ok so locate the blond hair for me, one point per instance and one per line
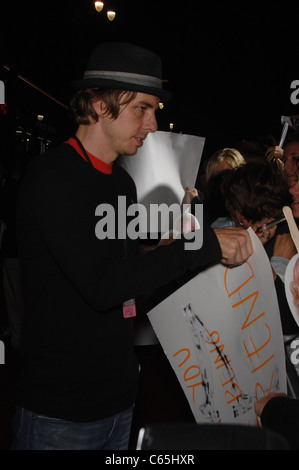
(231, 156)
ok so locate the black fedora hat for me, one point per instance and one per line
(123, 66)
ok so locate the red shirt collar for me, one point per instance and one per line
(98, 164)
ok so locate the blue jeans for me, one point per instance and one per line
(33, 431)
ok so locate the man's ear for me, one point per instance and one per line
(239, 218)
(100, 107)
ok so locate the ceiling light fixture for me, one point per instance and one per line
(111, 15)
(99, 6)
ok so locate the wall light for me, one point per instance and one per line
(99, 6)
(111, 15)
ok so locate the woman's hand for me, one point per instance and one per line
(192, 193)
(267, 233)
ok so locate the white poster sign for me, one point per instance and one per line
(163, 167)
(222, 334)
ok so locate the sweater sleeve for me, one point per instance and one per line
(64, 227)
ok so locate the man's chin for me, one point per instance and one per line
(130, 153)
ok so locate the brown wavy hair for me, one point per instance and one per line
(256, 190)
(81, 104)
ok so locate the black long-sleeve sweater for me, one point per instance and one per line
(77, 347)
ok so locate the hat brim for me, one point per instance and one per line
(164, 95)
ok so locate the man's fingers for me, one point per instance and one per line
(236, 245)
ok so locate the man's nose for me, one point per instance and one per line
(152, 124)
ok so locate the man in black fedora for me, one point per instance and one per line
(79, 380)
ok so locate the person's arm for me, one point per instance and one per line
(65, 221)
(280, 414)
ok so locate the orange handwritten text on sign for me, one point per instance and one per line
(259, 354)
(223, 365)
(191, 373)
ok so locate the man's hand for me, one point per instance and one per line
(235, 244)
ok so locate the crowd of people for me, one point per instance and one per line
(251, 194)
(79, 376)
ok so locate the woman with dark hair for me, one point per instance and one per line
(254, 195)
(279, 412)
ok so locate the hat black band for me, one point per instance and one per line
(133, 78)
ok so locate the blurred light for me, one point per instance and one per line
(161, 105)
(171, 126)
(99, 6)
(111, 15)
(3, 109)
(40, 117)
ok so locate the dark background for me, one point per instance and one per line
(229, 67)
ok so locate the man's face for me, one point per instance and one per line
(125, 134)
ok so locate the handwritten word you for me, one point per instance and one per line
(191, 372)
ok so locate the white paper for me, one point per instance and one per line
(163, 167)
